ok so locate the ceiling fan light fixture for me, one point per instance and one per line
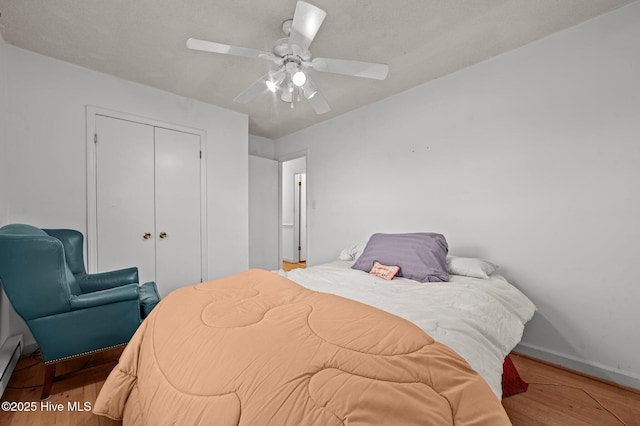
(286, 96)
(287, 90)
(271, 86)
(299, 78)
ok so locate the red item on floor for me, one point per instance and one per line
(512, 383)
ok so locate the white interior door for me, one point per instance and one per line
(125, 196)
(177, 214)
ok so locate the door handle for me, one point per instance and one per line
(146, 235)
(163, 235)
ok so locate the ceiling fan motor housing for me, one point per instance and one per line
(283, 49)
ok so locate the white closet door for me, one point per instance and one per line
(125, 196)
(177, 178)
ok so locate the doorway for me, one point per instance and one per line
(294, 213)
(300, 216)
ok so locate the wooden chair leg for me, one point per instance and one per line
(49, 374)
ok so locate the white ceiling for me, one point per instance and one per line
(420, 40)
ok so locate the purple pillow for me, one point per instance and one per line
(421, 256)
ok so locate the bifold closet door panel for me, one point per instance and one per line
(178, 233)
(125, 196)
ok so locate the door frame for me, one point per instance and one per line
(92, 214)
(298, 217)
(281, 226)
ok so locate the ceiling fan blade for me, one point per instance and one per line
(258, 87)
(348, 67)
(319, 104)
(315, 98)
(306, 22)
(210, 46)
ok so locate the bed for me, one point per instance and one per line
(329, 345)
(482, 319)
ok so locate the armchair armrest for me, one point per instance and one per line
(105, 297)
(105, 280)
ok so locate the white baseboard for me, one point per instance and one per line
(9, 354)
(622, 377)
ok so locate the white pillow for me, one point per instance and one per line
(470, 267)
(352, 253)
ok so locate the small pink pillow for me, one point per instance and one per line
(383, 271)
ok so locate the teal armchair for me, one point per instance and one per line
(69, 312)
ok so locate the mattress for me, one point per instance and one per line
(480, 319)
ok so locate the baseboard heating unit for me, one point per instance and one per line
(9, 355)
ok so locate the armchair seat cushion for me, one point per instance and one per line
(149, 298)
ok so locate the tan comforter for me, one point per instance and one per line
(257, 349)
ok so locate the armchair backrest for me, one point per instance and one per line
(73, 243)
(34, 272)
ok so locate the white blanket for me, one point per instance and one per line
(481, 319)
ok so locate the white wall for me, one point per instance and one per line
(530, 159)
(5, 306)
(44, 159)
(262, 147)
(4, 102)
(263, 213)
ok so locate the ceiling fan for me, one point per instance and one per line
(294, 58)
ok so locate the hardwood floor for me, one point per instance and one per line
(557, 396)
(77, 382)
(560, 401)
